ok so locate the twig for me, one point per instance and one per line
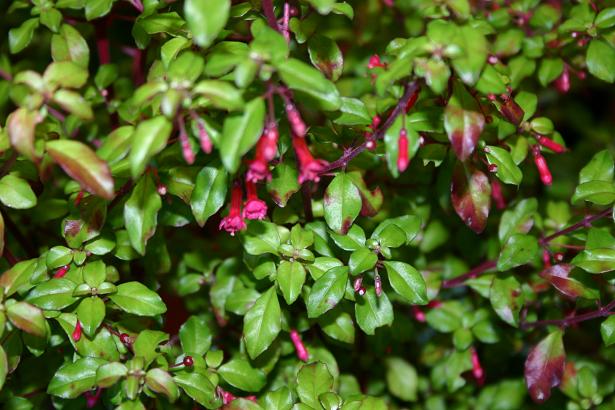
(269, 13)
(471, 274)
(410, 90)
(602, 312)
(584, 223)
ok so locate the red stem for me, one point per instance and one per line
(601, 312)
(584, 223)
(410, 90)
(269, 13)
(471, 274)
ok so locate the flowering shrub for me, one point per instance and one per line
(307, 204)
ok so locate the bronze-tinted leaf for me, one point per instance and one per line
(471, 196)
(463, 121)
(83, 165)
(20, 126)
(558, 275)
(544, 366)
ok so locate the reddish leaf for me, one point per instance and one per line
(558, 276)
(83, 165)
(544, 366)
(463, 121)
(20, 126)
(471, 196)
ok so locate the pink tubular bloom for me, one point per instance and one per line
(234, 222)
(270, 142)
(77, 332)
(550, 144)
(541, 165)
(310, 167)
(258, 168)
(402, 150)
(204, 140)
(562, 83)
(302, 352)
(254, 208)
(419, 315)
(185, 142)
(374, 61)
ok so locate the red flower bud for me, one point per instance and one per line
(302, 352)
(61, 271)
(374, 61)
(402, 150)
(188, 361)
(419, 315)
(493, 168)
(378, 284)
(511, 111)
(550, 144)
(541, 165)
(77, 332)
(477, 369)
(546, 258)
(185, 142)
(125, 339)
(562, 83)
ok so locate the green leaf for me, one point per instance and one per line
(136, 298)
(240, 133)
(401, 378)
(199, 388)
(141, 213)
(342, 203)
(4, 366)
(240, 374)
(221, 94)
(327, 291)
(195, 336)
(262, 323)
(353, 112)
(518, 220)
(281, 399)
(73, 103)
(261, 237)
(54, 294)
(21, 36)
(338, 325)
(361, 260)
(601, 60)
(299, 76)
(209, 193)
(599, 168)
(162, 382)
(313, 380)
(549, 70)
(290, 278)
(372, 312)
(407, 282)
(74, 379)
(65, 74)
(606, 18)
(326, 56)
(283, 184)
(607, 330)
(323, 7)
(91, 312)
(28, 318)
(518, 250)
(97, 8)
(597, 192)
(69, 45)
(16, 193)
(206, 18)
(597, 260)
(149, 139)
(507, 171)
(507, 299)
(146, 345)
(83, 165)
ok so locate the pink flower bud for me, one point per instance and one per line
(77, 332)
(295, 120)
(493, 168)
(185, 142)
(546, 258)
(310, 168)
(358, 283)
(374, 61)
(550, 144)
(378, 285)
(562, 83)
(477, 369)
(61, 271)
(497, 195)
(302, 352)
(402, 150)
(541, 165)
(419, 315)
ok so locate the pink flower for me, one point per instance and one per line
(311, 168)
(254, 208)
(204, 139)
(402, 150)
(77, 332)
(541, 165)
(294, 119)
(234, 222)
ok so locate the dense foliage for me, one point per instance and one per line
(307, 204)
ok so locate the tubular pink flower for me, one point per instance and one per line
(234, 222)
(310, 167)
(254, 208)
